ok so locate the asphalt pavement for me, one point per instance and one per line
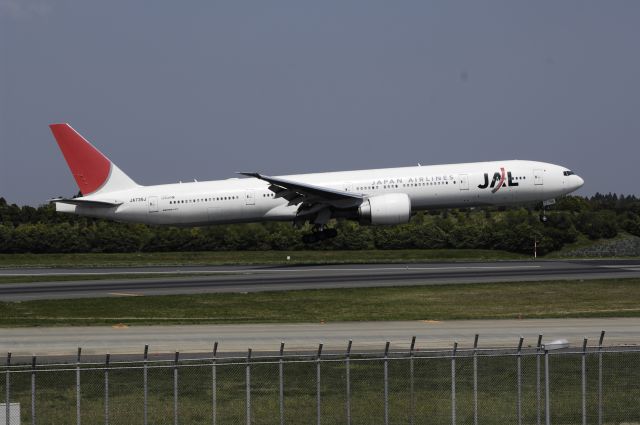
(366, 336)
(193, 280)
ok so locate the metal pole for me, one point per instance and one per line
(600, 416)
(106, 390)
(547, 400)
(248, 388)
(175, 388)
(584, 382)
(33, 390)
(281, 375)
(7, 392)
(538, 392)
(78, 419)
(347, 364)
(475, 379)
(412, 400)
(453, 383)
(386, 384)
(145, 383)
(519, 362)
(318, 400)
(214, 385)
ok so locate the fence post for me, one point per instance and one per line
(214, 385)
(175, 388)
(453, 383)
(33, 390)
(78, 419)
(584, 381)
(519, 363)
(281, 376)
(7, 391)
(106, 389)
(538, 392)
(600, 416)
(412, 400)
(475, 379)
(386, 384)
(318, 399)
(248, 388)
(347, 365)
(144, 383)
(547, 395)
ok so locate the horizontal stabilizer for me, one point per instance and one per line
(86, 202)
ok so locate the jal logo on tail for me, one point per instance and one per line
(499, 180)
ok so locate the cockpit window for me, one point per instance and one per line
(568, 173)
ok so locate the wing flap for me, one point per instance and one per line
(294, 191)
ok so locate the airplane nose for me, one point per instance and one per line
(579, 182)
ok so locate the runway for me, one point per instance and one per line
(190, 280)
(367, 336)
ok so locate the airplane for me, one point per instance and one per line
(387, 196)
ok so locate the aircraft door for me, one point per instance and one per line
(153, 204)
(250, 197)
(464, 181)
(537, 177)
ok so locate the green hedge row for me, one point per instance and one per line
(42, 230)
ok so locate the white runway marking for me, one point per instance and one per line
(631, 267)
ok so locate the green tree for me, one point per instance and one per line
(597, 224)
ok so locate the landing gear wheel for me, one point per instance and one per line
(319, 236)
(331, 233)
(543, 218)
(309, 239)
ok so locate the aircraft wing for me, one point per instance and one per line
(298, 192)
(86, 202)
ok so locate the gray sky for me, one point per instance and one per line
(180, 90)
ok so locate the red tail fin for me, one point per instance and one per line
(93, 171)
(88, 165)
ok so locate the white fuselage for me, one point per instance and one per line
(239, 200)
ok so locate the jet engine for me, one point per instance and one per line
(392, 208)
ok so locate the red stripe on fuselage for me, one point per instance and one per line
(89, 167)
(501, 182)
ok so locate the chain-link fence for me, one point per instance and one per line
(523, 385)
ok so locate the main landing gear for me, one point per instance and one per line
(319, 234)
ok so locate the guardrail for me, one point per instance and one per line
(537, 384)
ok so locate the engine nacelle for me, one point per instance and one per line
(392, 208)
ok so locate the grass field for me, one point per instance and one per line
(251, 257)
(56, 392)
(592, 298)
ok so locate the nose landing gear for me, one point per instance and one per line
(543, 213)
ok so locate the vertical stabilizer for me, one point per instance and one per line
(94, 173)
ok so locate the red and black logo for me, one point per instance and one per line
(499, 180)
